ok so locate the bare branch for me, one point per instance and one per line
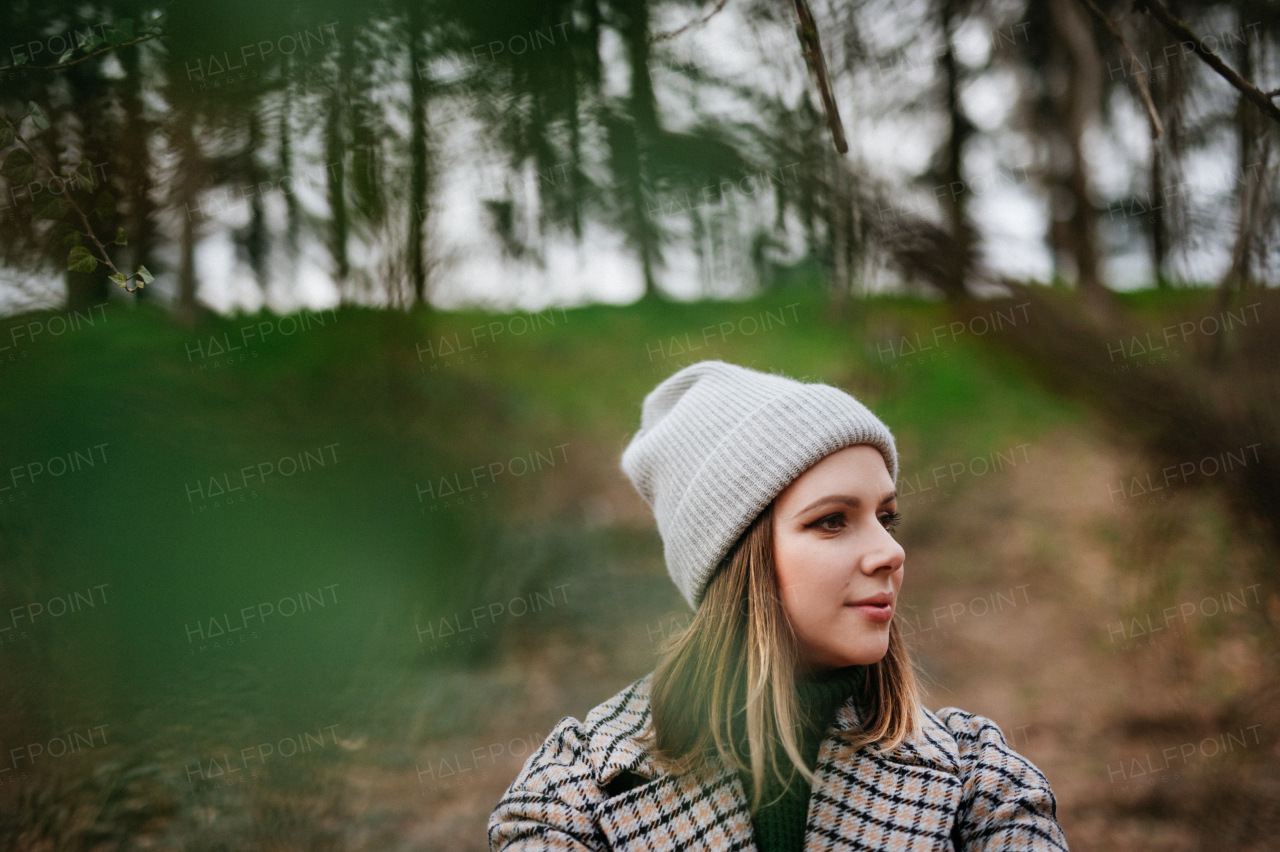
(87, 55)
(1182, 31)
(811, 45)
(40, 161)
(695, 23)
(1153, 117)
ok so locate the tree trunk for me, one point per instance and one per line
(956, 199)
(335, 162)
(1248, 131)
(841, 228)
(418, 174)
(575, 156)
(960, 128)
(186, 309)
(1078, 104)
(644, 121)
(86, 289)
(1160, 211)
(140, 209)
(1254, 163)
(187, 203)
(286, 160)
(257, 240)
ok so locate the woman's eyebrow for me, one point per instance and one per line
(848, 499)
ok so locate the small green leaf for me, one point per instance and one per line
(18, 166)
(120, 33)
(62, 60)
(37, 115)
(64, 236)
(145, 275)
(91, 42)
(50, 207)
(118, 279)
(6, 136)
(84, 172)
(105, 206)
(121, 238)
(79, 260)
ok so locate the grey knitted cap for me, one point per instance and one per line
(718, 442)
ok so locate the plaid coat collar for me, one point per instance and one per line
(613, 725)
(903, 800)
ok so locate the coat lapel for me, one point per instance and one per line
(906, 799)
(902, 800)
(706, 810)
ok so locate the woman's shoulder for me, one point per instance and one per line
(970, 731)
(965, 728)
(1006, 801)
(598, 747)
(983, 751)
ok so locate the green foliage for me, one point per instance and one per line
(80, 260)
(105, 206)
(38, 118)
(143, 277)
(19, 167)
(64, 236)
(50, 207)
(84, 171)
(120, 33)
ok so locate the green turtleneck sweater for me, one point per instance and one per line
(779, 826)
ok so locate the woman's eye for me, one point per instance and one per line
(830, 523)
(891, 520)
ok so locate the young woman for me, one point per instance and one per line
(786, 717)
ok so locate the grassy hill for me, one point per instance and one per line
(259, 457)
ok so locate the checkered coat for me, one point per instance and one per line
(957, 786)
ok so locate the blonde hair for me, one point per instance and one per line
(741, 653)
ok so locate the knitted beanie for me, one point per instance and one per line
(718, 442)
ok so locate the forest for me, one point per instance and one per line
(323, 323)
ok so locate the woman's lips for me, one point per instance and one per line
(877, 612)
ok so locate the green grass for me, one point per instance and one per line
(359, 382)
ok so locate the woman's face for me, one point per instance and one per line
(839, 568)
